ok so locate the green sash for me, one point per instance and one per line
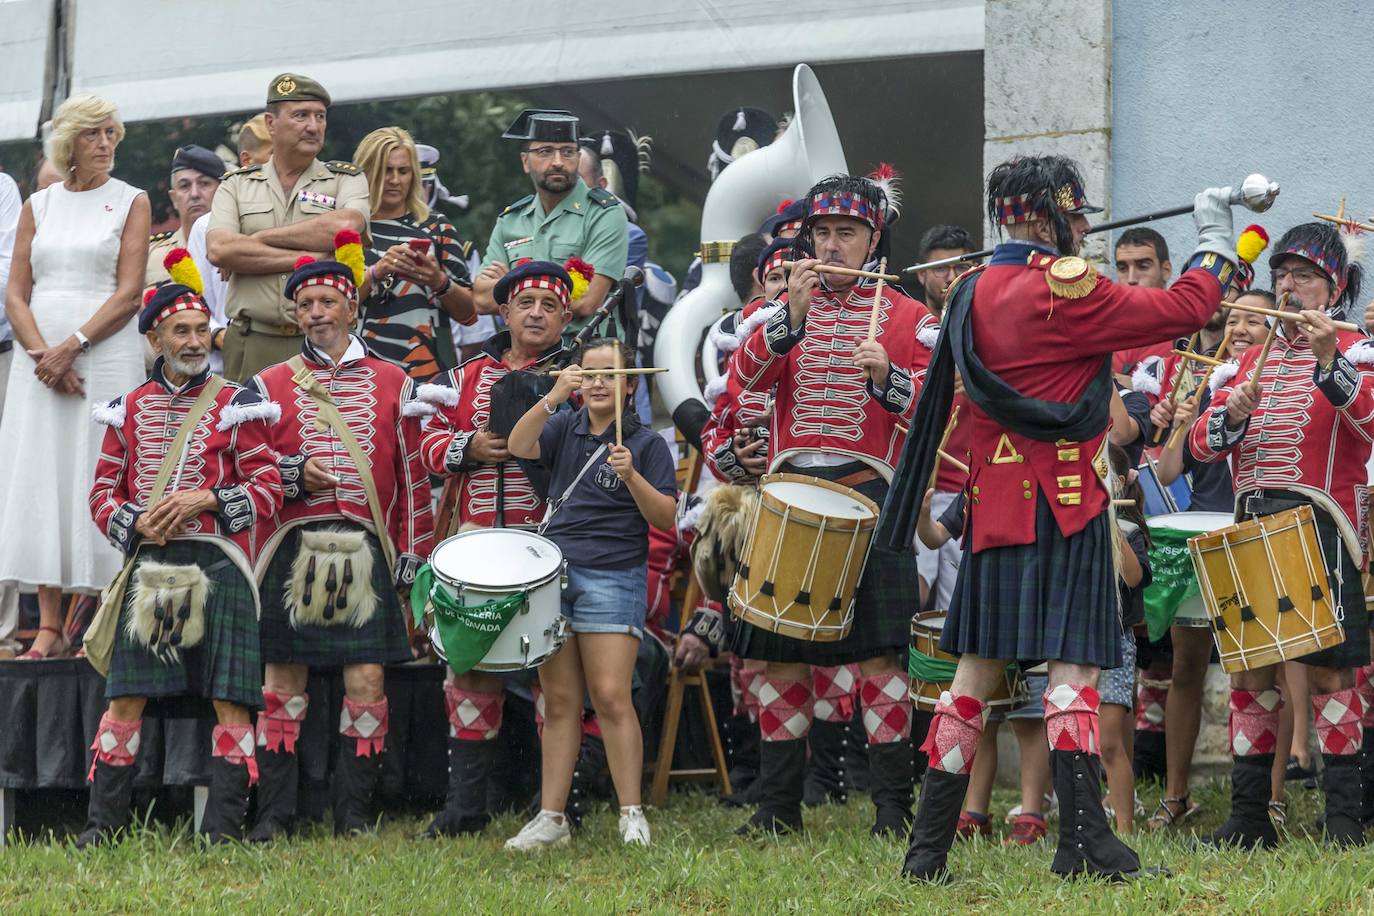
(467, 631)
(1172, 578)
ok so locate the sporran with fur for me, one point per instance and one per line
(331, 579)
(722, 531)
(167, 612)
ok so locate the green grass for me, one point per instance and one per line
(695, 865)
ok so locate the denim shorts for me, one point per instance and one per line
(607, 600)
(1114, 685)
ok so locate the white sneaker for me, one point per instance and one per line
(634, 829)
(548, 828)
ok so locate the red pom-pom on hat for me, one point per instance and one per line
(347, 237)
(148, 294)
(783, 206)
(302, 261)
(174, 257)
(575, 264)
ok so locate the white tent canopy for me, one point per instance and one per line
(158, 60)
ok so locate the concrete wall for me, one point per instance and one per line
(1206, 92)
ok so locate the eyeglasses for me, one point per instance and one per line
(546, 153)
(1301, 275)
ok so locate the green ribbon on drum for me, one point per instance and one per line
(929, 669)
(467, 631)
(1172, 578)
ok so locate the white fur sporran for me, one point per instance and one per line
(168, 608)
(331, 580)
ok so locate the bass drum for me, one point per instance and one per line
(494, 564)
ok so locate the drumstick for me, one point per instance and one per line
(1123, 502)
(1287, 316)
(619, 392)
(647, 370)
(1198, 358)
(1175, 392)
(1177, 435)
(1268, 345)
(940, 453)
(851, 272)
(877, 306)
(950, 459)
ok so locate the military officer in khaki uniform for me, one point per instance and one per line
(563, 218)
(267, 216)
(195, 177)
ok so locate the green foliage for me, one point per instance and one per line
(694, 865)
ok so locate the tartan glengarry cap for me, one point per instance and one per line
(534, 275)
(310, 272)
(165, 300)
(1019, 208)
(292, 87)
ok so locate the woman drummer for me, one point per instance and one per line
(610, 479)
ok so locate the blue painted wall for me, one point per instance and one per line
(1206, 92)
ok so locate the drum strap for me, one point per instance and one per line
(556, 504)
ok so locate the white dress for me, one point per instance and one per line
(48, 441)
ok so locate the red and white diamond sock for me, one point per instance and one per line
(1149, 707)
(1337, 721)
(886, 701)
(473, 716)
(1071, 718)
(834, 692)
(279, 723)
(116, 743)
(955, 727)
(235, 743)
(1364, 683)
(1254, 721)
(367, 723)
(538, 694)
(785, 709)
(752, 678)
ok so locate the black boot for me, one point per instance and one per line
(1087, 845)
(355, 781)
(227, 807)
(465, 809)
(826, 779)
(890, 783)
(932, 832)
(1341, 782)
(1367, 778)
(1248, 826)
(742, 750)
(108, 811)
(782, 770)
(856, 768)
(278, 783)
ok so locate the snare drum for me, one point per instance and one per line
(493, 568)
(932, 669)
(1266, 589)
(806, 550)
(1173, 598)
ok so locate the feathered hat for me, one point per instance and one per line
(1250, 244)
(889, 181)
(1038, 187)
(530, 274)
(182, 292)
(740, 131)
(624, 156)
(344, 272)
(1336, 252)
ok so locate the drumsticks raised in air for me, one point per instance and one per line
(851, 272)
(1268, 345)
(1222, 349)
(1175, 390)
(940, 453)
(877, 305)
(632, 370)
(1287, 316)
(619, 392)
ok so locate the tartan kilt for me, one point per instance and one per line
(379, 641)
(226, 665)
(1053, 600)
(887, 596)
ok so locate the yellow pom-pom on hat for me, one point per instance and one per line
(183, 270)
(1252, 242)
(348, 251)
(581, 273)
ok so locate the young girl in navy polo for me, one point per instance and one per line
(603, 498)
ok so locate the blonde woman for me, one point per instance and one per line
(79, 257)
(417, 275)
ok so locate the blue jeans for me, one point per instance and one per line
(607, 600)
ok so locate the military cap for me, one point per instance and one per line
(292, 87)
(199, 159)
(556, 126)
(536, 275)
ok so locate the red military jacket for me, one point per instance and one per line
(733, 407)
(1050, 346)
(823, 402)
(378, 402)
(463, 398)
(228, 452)
(1310, 432)
(948, 478)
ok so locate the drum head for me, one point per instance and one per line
(496, 558)
(818, 500)
(1198, 522)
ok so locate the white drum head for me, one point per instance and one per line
(817, 499)
(496, 558)
(1196, 522)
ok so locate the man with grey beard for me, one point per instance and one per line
(185, 473)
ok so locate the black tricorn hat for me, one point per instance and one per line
(556, 126)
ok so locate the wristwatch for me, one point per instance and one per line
(82, 341)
